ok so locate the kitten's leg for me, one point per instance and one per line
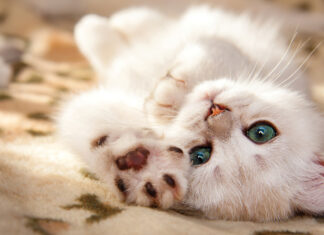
(166, 98)
(100, 39)
(109, 132)
(170, 91)
(137, 22)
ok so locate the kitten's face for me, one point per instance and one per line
(249, 174)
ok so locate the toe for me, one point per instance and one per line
(169, 180)
(150, 190)
(120, 185)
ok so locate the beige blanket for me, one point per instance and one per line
(43, 188)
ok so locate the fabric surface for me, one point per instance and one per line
(43, 188)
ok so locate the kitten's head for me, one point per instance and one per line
(254, 150)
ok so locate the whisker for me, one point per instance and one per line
(299, 67)
(261, 69)
(298, 49)
(255, 76)
(282, 58)
(293, 80)
(250, 75)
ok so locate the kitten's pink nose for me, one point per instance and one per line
(215, 110)
(220, 121)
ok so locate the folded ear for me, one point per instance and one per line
(311, 197)
(98, 40)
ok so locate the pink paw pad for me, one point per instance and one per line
(135, 159)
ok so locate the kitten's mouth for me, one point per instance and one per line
(215, 110)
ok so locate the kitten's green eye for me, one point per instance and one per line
(200, 155)
(261, 132)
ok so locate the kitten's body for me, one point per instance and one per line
(160, 77)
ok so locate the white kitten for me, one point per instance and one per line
(202, 111)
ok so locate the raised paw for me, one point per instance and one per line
(116, 144)
(166, 98)
(151, 176)
(135, 159)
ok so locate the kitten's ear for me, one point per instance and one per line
(311, 199)
(98, 40)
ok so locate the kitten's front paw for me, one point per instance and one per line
(166, 98)
(149, 176)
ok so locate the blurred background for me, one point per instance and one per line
(40, 63)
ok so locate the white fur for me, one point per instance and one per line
(164, 78)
